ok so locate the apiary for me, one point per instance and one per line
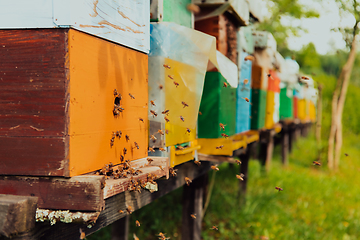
(71, 102)
(171, 11)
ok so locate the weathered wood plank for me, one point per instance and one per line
(17, 214)
(266, 148)
(82, 193)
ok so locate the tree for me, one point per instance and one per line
(339, 96)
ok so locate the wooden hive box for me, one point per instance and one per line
(57, 102)
(259, 77)
(286, 104)
(273, 100)
(125, 22)
(243, 108)
(171, 11)
(218, 105)
(258, 108)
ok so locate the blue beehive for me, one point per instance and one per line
(243, 108)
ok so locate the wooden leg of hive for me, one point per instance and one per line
(120, 229)
(266, 148)
(291, 138)
(193, 206)
(285, 146)
(244, 169)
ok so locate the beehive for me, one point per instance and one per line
(60, 111)
(272, 100)
(218, 105)
(258, 108)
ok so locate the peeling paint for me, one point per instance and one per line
(104, 22)
(126, 17)
(95, 11)
(90, 26)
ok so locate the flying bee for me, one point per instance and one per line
(193, 216)
(225, 84)
(153, 138)
(246, 99)
(305, 78)
(246, 81)
(166, 66)
(162, 149)
(150, 160)
(222, 126)
(346, 155)
(185, 104)
(118, 134)
(137, 223)
(124, 151)
(249, 58)
(188, 130)
(153, 113)
(152, 103)
(166, 119)
(279, 189)
(238, 162)
(82, 234)
(166, 112)
(161, 86)
(220, 147)
(213, 167)
(214, 228)
(171, 77)
(116, 92)
(240, 177)
(121, 211)
(224, 135)
(127, 137)
(179, 147)
(197, 162)
(151, 149)
(187, 181)
(161, 132)
(136, 145)
(182, 118)
(317, 163)
(129, 210)
(172, 171)
(141, 119)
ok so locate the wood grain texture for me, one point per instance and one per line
(82, 193)
(17, 214)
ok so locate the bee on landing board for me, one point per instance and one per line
(166, 66)
(222, 126)
(162, 149)
(161, 86)
(82, 234)
(141, 119)
(127, 137)
(224, 135)
(125, 151)
(171, 77)
(185, 104)
(161, 132)
(187, 181)
(166, 119)
(246, 81)
(153, 113)
(305, 78)
(131, 96)
(136, 145)
(279, 189)
(150, 160)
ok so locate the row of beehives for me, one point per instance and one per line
(72, 102)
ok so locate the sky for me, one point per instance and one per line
(319, 29)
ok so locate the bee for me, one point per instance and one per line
(127, 137)
(82, 234)
(225, 84)
(213, 167)
(121, 211)
(172, 171)
(160, 131)
(161, 86)
(179, 147)
(150, 160)
(246, 81)
(193, 8)
(166, 131)
(176, 84)
(214, 228)
(166, 112)
(316, 163)
(305, 78)
(269, 75)
(151, 149)
(125, 151)
(249, 58)
(153, 138)
(220, 147)
(279, 189)
(112, 141)
(162, 149)
(152, 103)
(224, 135)
(240, 177)
(141, 120)
(116, 92)
(188, 130)
(137, 223)
(121, 158)
(136, 145)
(166, 66)
(193, 216)
(153, 113)
(131, 96)
(182, 118)
(162, 169)
(197, 162)
(118, 134)
(346, 155)
(162, 236)
(129, 210)
(187, 181)
(166, 119)
(222, 126)
(185, 104)
(238, 162)
(246, 99)
(171, 77)
(200, 113)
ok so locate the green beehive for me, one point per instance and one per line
(286, 105)
(218, 105)
(258, 108)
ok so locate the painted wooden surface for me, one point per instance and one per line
(258, 108)
(97, 68)
(286, 105)
(259, 77)
(58, 100)
(125, 22)
(272, 109)
(82, 193)
(218, 105)
(171, 11)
